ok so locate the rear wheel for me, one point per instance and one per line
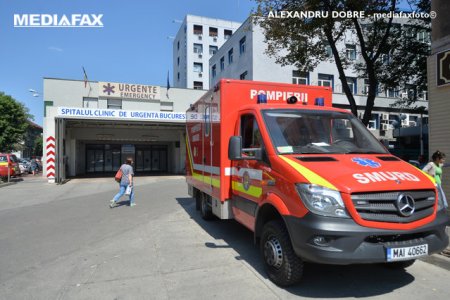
(282, 265)
(198, 200)
(205, 207)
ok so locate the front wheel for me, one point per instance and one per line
(282, 265)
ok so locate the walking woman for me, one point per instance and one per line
(126, 182)
(434, 168)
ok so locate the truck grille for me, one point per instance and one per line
(384, 206)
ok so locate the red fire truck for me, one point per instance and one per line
(311, 182)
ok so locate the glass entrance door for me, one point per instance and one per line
(151, 159)
(102, 158)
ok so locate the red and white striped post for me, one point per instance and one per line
(50, 148)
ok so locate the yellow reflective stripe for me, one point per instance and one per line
(429, 176)
(252, 190)
(308, 174)
(198, 176)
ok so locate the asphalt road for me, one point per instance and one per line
(64, 242)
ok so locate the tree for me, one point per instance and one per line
(38, 146)
(391, 56)
(13, 123)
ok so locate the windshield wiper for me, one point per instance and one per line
(363, 152)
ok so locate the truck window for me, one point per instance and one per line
(207, 120)
(249, 130)
(306, 132)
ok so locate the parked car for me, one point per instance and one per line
(11, 160)
(25, 166)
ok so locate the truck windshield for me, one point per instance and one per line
(313, 132)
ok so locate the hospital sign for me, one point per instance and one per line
(128, 91)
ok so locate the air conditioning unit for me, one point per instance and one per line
(385, 127)
(200, 74)
(215, 39)
(385, 117)
(200, 55)
(200, 37)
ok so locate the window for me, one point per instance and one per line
(178, 76)
(392, 93)
(178, 61)
(243, 76)
(230, 56)
(213, 31)
(242, 46)
(422, 96)
(314, 132)
(366, 87)
(423, 36)
(328, 52)
(212, 50)
(372, 124)
(250, 133)
(198, 85)
(325, 80)
(207, 119)
(90, 102)
(114, 103)
(300, 77)
(227, 34)
(222, 63)
(350, 51)
(178, 45)
(198, 29)
(213, 71)
(198, 48)
(351, 81)
(198, 67)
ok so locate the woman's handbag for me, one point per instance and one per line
(119, 174)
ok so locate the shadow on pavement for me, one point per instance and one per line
(325, 281)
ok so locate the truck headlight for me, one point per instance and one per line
(441, 199)
(322, 201)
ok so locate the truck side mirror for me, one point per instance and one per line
(235, 148)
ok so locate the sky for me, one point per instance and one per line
(134, 46)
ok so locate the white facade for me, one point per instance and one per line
(196, 41)
(92, 129)
(250, 62)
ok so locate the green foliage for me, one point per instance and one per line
(38, 146)
(388, 52)
(13, 123)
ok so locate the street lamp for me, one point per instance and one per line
(34, 92)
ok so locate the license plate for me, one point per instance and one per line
(405, 253)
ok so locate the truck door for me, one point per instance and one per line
(247, 175)
(207, 146)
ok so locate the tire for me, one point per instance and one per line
(198, 200)
(400, 264)
(282, 265)
(205, 207)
